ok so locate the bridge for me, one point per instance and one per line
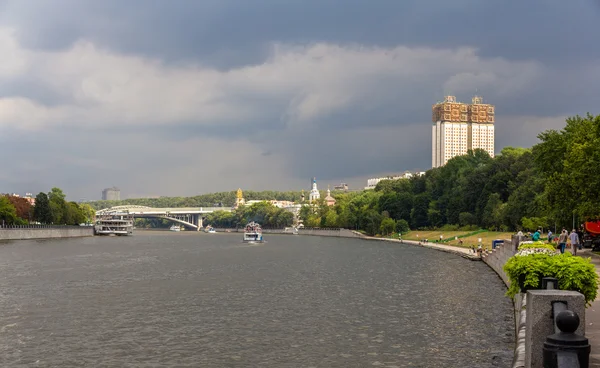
(190, 217)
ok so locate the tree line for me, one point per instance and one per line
(551, 185)
(50, 208)
(224, 199)
(266, 214)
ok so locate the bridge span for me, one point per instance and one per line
(190, 217)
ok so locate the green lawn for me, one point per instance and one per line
(486, 237)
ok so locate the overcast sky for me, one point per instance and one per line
(189, 97)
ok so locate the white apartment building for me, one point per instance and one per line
(482, 136)
(448, 140)
(372, 183)
(459, 127)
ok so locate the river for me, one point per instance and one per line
(164, 299)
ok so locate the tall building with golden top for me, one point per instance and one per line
(459, 127)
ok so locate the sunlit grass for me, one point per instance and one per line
(432, 236)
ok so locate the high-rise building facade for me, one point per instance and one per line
(459, 127)
(111, 194)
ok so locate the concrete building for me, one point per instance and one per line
(459, 127)
(111, 194)
(341, 186)
(372, 183)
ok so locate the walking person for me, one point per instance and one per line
(562, 240)
(574, 242)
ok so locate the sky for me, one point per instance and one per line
(180, 98)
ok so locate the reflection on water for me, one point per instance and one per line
(198, 300)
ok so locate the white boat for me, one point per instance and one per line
(114, 225)
(295, 231)
(175, 228)
(253, 233)
(209, 229)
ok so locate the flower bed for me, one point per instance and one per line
(533, 261)
(536, 245)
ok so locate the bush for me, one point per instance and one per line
(530, 264)
(537, 245)
(449, 227)
(402, 226)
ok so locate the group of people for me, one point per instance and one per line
(562, 239)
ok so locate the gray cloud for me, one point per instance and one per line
(227, 30)
(180, 100)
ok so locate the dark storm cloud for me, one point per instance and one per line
(225, 33)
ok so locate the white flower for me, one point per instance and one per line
(530, 251)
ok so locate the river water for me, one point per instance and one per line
(163, 299)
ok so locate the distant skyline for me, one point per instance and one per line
(185, 98)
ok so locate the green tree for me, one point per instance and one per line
(466, 219)
(568, 161)
(419, 214)
(42, 211)
(58, 206)
(8, 212)
(88, 212)
(388, 226)
(402, 226)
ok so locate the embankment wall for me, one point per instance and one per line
(22, 233)
(496, 259)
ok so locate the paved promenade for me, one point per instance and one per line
(592, 315)
(464, 252)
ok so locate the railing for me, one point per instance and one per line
(18, 227)
(565, 348)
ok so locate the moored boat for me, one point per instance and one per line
(175, 228)
(114, 225)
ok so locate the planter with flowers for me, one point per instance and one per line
(532, 262)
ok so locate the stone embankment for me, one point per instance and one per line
(496, 259)
(44, 232)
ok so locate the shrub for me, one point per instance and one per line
(537, 245)
(448, 227)
(402, 226)
(529, 265)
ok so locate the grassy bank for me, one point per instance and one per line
(433, 235)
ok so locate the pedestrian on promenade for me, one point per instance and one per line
(574, 242)
(562, 240)
(549, 236)
(536, 235)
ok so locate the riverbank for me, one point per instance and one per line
(45, 232)
(461, 251)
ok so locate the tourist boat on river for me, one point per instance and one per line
(114, 225)
(209, 229)
(253, 233)
(175, 228)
